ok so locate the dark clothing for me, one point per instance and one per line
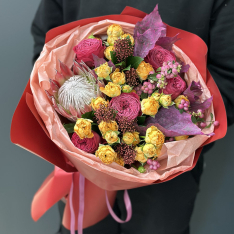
(212, 20)
(164, 208)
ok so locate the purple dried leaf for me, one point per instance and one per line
(167, 42)
(184, 67)
(172, 123)
(147, 32)
(111, 64)
(193, 92)
(194, 106)
(98, 61)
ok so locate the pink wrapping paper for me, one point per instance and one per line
(175, 156)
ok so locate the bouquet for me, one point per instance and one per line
(124, 99)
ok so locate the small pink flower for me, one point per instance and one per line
(89, 145)
(127, 104)
(85, 50)
(158, 55)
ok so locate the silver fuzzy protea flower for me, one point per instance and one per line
(71, 91)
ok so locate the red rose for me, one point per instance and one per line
(89, 145)
(158, 55)
(175, 86)
(85, 50)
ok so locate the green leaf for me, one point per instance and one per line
(200, 120)
(69, 127)
(91, 36)
(211, 116)
(88, 115)
(134, 61)
(96, 129)
(153, 77)
(100, 78)
(208, 125)
(121, 64)
(143, 137)
(127, 68)
(159, 69)
(144, 95)
(181, 111)
(194, 120)
(113, 57)
(108, 78)
(141, 120)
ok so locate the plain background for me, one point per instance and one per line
(21, 173)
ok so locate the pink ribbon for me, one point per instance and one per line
(127, 202)
(128, 206)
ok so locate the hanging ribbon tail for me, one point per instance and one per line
(81, 203)
(128, 206)
(72, 223)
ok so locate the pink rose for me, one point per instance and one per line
(158, 55)
(89, 145)
(175, 86)
(127, 104)
(86, 48)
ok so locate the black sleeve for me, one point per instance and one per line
(49, 15)
(221, 52)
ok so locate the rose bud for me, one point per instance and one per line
(83, 128)
(140, 155)
(149, 106)
(118, 77)
(154, 136)
(106, 154)
(127, 89)
(97, 102)
(111, 90)
(165, 100)
(143, 70)
(103, 70)
(107, 52)
(115, 30)
(179, 138)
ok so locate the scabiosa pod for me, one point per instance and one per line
(71, 92)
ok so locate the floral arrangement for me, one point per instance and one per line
(126, 95)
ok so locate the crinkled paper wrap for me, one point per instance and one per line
(175, 156)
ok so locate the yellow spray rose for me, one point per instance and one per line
(107, 52)
(119, 161)
(111, 90)
(177, 101)
(127, 89)
(111, 40)
(115, 30)
(149, 106)
(140, 155)
(128, 35)
(150, 150)
(165, 100)
(183, 137)
(128, 138)
(111, 137)
(156, 96)
(107, 126)
(154, 136)
(103, 70)
(97, 102)
(143, 70)
(136, 138)
(83, 128)
(118, 77)
(106, 154)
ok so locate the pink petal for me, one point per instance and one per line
(59, 78)
(67, 73)
(73, 111)
(54, 87)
